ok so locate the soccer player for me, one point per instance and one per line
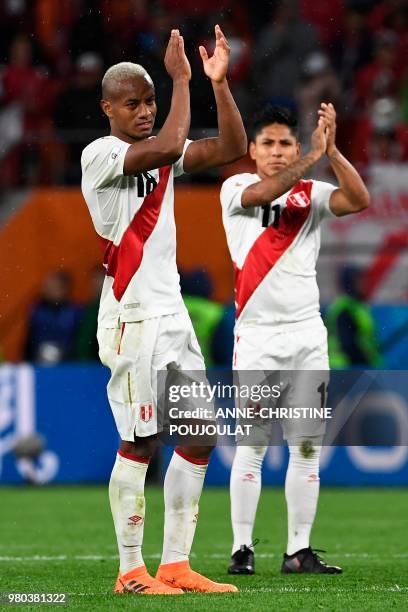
(143, 325)
(272, 222)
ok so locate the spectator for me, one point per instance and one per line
(382, 76)
(281, 43)
(319, 84)
(29, 88)
(87, 348)
(77, 113)
(87, 32)
(223, 337)
(327, 17)
(381, 136)
(351, 327)
(350, 50)
(53, 322)
(122, 21)
(205, 314)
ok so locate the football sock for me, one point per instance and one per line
(182, 489)
(245, 489)
(302, 493)
(126, 496)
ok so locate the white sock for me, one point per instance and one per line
(302, 494)
(245, 489)
(126, 496)
(182, 489)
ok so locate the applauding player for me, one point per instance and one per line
(143, 324)
(272, 221)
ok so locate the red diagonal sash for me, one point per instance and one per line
(123, 260)
(269, 247)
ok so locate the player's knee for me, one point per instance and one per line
(250, 457)
(141, 447)
(305, 454)
(197, 452)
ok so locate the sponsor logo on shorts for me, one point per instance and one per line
(196, 517)
(249, 477)
(146, 412)
(313, 478)
(299, 199)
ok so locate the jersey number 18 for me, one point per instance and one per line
(146, 183)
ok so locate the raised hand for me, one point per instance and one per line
(175, 60)
(328, 114)
(320, 137)
(216, 67)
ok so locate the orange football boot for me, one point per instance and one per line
(181, 575)
(139, 582)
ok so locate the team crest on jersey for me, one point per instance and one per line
(299, 199)
(146, 412)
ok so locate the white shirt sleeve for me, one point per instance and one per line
(321, 193)
(232, 190)
(178, 169)
(102, 161)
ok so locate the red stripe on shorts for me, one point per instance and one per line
(121, 336)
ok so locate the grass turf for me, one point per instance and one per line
(61, 540)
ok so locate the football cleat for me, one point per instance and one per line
(181, 575)
(307, 561)
(242, 561)
(139, 582)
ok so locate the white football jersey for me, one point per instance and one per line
(274, 249)
(134, 218)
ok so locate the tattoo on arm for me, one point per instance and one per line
(287, 178)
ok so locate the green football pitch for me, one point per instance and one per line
(60, 540)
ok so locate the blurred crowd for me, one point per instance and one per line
(291, 52)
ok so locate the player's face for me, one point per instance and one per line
(274, 149)
(132, 109)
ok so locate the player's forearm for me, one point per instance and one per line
(268, 189)
(175, 129)
(232, 140)
(349, 181)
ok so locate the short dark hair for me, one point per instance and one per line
(273, 114)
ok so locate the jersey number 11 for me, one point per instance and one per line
(267, 212)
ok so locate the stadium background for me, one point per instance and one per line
(55, 424)
(292, 53)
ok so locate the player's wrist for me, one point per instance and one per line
(316, 154)
(181, 79)
(333, 152)
(219, 82)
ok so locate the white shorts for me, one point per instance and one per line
(298, 346)
(134, 353)
(300, 349)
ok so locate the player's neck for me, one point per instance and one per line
(263, 175)
(124, 137)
